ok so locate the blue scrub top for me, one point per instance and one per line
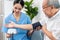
(21, 33)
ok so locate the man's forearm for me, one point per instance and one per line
(49, 34)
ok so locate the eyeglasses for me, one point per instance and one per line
(46, 6)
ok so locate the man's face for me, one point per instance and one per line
(48, 10)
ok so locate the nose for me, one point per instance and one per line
(17, 10)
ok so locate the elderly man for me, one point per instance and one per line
(52, 21)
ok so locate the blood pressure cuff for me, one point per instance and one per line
(37, 24)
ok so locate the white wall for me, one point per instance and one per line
(7, 7)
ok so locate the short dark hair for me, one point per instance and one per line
(19, 1)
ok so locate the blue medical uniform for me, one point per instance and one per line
(21, 33)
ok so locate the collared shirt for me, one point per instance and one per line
(53, 25)
(21, 33)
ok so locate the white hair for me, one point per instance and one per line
(54, 2)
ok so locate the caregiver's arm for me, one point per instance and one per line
(24, 26)
(48, 33)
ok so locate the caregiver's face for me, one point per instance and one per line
(17, 8)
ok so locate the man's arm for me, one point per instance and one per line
(46, 32)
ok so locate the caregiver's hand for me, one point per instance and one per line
(10, 25)
(8, 35)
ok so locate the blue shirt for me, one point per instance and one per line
(21, 33)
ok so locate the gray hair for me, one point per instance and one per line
(54, 2)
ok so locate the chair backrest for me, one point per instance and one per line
(37, 35)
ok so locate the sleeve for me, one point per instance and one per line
(42, 21)
(56, 30)
(5, 29)
(28, 20)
